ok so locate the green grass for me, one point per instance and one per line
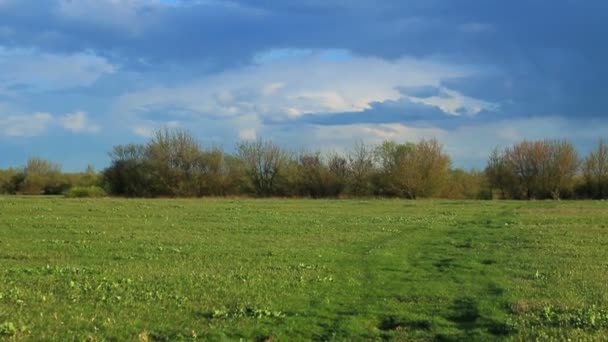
(285, 270)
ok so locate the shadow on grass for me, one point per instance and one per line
(394, 323)
(465, 313)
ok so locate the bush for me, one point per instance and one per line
(85, 191)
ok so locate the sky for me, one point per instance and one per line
(80, 76)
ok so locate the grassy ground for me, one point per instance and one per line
(281, 270)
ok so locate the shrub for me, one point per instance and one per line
(85, 191)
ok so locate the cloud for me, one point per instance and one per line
(283, 91)
(15, 122)
(28, 125)
(402, 110)
(46, 71)
(78, 123)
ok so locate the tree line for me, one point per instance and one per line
(174, 164)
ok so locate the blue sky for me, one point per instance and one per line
(79, 76)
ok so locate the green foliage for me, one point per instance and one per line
(591, 318)
(85, 191)
(412, 170)
(461, 184)
(7, 181)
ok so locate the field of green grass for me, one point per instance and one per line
(287, 270)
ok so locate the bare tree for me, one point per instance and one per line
(525, 160)
(41, 176)
(539, 169)
(361, 169)
(337, 174)
(174, 155)
(595, 170)
(563, 164)
(499, 173)
(263, 162)
(312, 175)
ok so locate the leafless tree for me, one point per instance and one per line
(361, 168)
(595, 170)
(263, 162)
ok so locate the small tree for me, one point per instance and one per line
(130, 173)
(526, 160)
(337, 176)
(563, 164)
(7, 181)
(396, 168)
(312, 174)
(499, 173)
(263, 162)
(595, 171)
(413, 170)
(361, 169)
(211, 173)
(174, 155)
(41, 177)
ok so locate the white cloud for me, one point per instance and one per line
(28, 125)
(248, 134)
(146, 129)
(455, 103)
(284, 89)
(51, 71)
(272, 88)
(78, 123)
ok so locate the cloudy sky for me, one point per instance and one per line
(79, 76)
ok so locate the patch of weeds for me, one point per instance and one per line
(521, 307)
(591, 318)
(540, 276)
(8, 329)
(166, 336)
(247, 312)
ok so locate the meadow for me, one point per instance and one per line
(288, 270)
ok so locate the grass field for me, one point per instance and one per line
(286, 270)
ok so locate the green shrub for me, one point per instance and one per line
(85, 191)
